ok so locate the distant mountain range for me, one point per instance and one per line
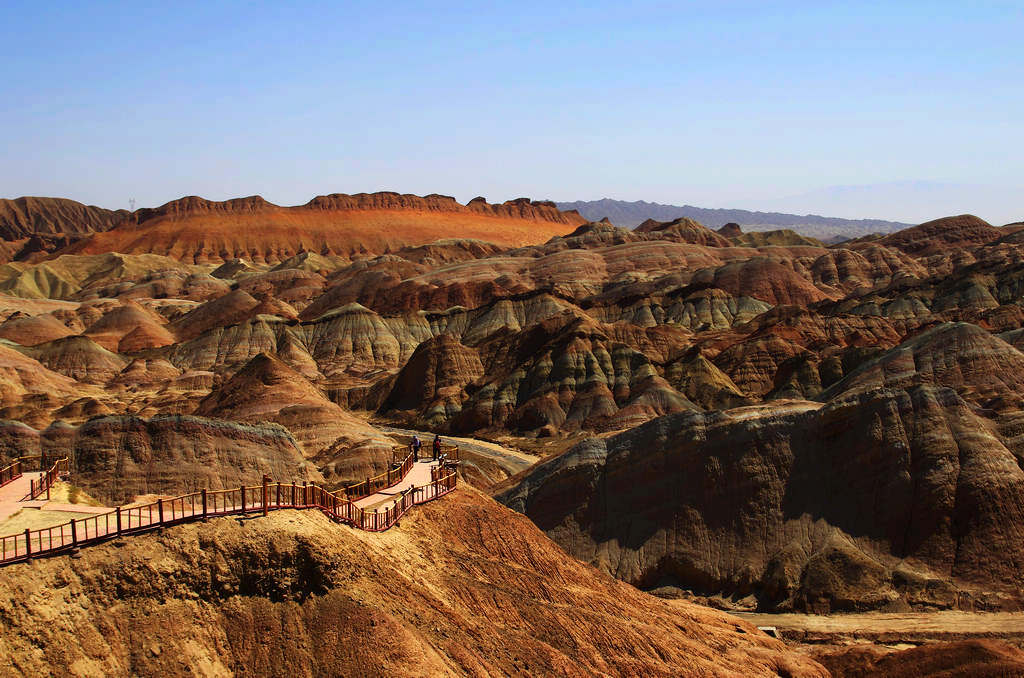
(631, 214)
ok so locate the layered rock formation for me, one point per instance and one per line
(267, 390)
(25, 217)
(30, 228)
(118, 458)
(888, 496)
(939, 235)
(979, 658)
(518, 320)
(201, 231)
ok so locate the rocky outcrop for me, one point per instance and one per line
(730, 230)
(79, 358)
(981, 367)
(29, 391)
(116, 459)
(565, 373)
(780, 238)
(29, 330)
(685, 230)
(230, 309)
(128, 328)
(432, 385)
(943, 234)
(934, 660)
(887, 496)
(267, 390)
(762, 278)
(28, 216)
(703, 383)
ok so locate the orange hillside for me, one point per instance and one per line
(202, 231)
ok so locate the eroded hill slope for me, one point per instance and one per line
(462, 587)
(889, 497)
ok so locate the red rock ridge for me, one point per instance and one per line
(204, 231)
(520, 208)
(27, 216)
(941, 235)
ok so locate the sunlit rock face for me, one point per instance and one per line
(873, 498)
(117, 458)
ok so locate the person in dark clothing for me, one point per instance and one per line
(416, 444)
(437, 447)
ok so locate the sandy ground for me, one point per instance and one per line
(868, 623)
(891, 631)
(34, 519)
(61, 493)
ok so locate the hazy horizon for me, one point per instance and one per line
(903, 113)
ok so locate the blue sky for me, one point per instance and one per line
(717, 104)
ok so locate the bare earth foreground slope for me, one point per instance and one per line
(462, 587)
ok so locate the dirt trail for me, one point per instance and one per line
(903, 627)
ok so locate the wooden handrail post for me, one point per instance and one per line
(266, 493)
(204, 504)
(242, 488)
(28, 543)
(279, 494)
(32, 488)
(118, 511)
(74, 534)
(160, 510)
(293, 493)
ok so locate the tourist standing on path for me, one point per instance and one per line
(437, 446)
(416, 444)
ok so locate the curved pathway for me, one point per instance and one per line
(422, 482)
(417, 477)
(512, 461)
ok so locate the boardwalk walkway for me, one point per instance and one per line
(14, 495)
(387, 498)
(418, 476)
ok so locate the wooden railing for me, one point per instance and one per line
(449, 452)
(399, 468)
(126, 520)
(374, 484)
(10, 473)
(48, 478)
